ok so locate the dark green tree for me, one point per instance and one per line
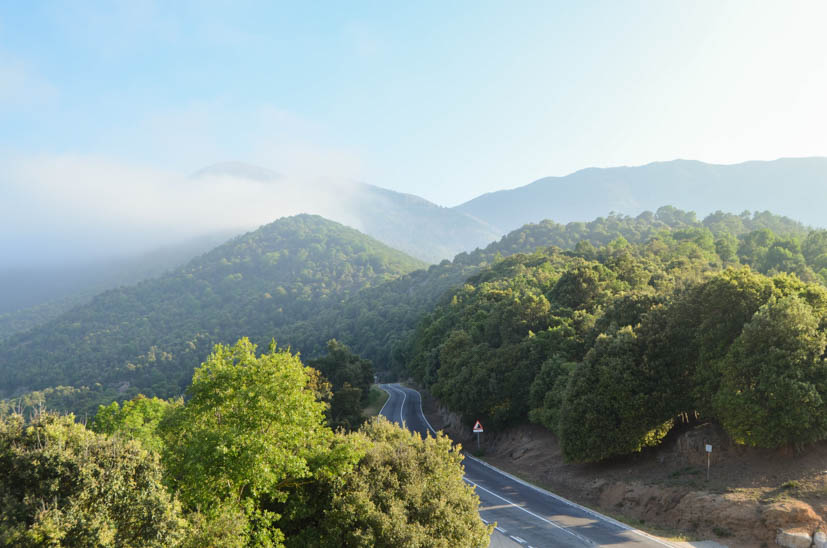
(775, 378)
(350, 377)
(607, 410)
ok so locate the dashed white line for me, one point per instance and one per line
(518, 539)
(529, 512)
(588, 511)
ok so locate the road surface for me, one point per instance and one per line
(525, 515)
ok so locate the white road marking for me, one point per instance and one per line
(518, 539)
(529, 512)
(500, 529)
(382, 388)
(402, 407)
(588, 511)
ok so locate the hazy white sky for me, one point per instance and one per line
(446, 100)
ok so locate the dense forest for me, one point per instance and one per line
(608, 333)
(608, 347)
(378, 322)
(148, 338)
(248, 460)
(32, 296)
(305, 281)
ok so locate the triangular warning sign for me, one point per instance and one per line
(477, 427)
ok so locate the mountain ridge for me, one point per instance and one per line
(692, 185)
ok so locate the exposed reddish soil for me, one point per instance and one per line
(750, 494)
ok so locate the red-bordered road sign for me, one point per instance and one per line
(477, 427)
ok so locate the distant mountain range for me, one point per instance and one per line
(795, 187)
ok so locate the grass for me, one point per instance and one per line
(376, 399)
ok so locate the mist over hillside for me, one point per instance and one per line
(75, 211)
(794, 187)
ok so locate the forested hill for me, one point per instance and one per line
(611, 347)
(305, 280)
(149, 337)
(378, 322)
(796, 187)
(406, 222)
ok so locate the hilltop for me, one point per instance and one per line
(148, 337)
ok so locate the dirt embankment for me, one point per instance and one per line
(751, 494)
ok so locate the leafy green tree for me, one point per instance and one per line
(775, 378)
(606, 411)
(251, 430)
(548, 392)
(63, 485)
(350, 377)
(754, 246)
(726, 247)
(405, 492)
(137, 418)
(707, 321)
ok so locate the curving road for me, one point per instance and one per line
(525, 514)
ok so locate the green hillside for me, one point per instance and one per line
(305, 281)
(149, 337)
(378, 322)
(610, 347)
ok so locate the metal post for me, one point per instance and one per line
(478, 441)
(708, 448)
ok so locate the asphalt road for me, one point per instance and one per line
(526, 515)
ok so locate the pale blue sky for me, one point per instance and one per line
(442, 99)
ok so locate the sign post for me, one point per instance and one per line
(478, 431)
(708, 452)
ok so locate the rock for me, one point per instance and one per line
(794, 539)
(820, 540)
(792, 514)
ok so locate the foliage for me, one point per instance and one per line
(612, 345)
(350, 377)
(775, 378)
(251, 430)
(63, 485)
(251, 457)
(403, 492)
(138, 419)
(515, 320)
(148, 337)
(607, 408)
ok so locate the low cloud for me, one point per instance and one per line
(63, 209)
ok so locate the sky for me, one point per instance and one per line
(446, 100)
